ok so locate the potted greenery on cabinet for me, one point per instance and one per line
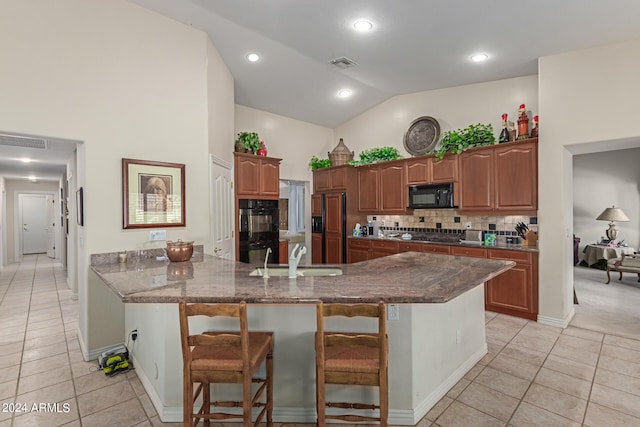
(247, 142)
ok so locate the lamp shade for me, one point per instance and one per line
(613, 214)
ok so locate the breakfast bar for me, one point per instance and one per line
(437, 337)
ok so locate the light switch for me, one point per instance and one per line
(158, 235)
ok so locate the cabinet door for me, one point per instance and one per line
(321, 180)
(333, 214)
(392, 189)
(316, 248)
(419, 170)
(476, 180)
(248, 176)
(338, 178)
(357, 253)
(269, 178)
(333, 251)
(316, 205)
(368, 185)
(511, 290)
(445, 170)
(516, 177)
(380, 248)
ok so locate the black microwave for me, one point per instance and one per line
(431, 196)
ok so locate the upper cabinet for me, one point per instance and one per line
(500, 178)
(330, 179)
(256, 176)
(428, 170)
(382, 188)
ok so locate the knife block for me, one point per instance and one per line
(531, 239)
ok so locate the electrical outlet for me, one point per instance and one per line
(158, 235)
(382, 223)
(468, 224)
(393, 312)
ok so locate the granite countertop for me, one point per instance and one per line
(512, 247)
(410, 277)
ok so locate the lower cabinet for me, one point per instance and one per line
(316, 248)
(283, 252)
(514, 292)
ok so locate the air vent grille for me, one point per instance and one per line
(23, 141)
(343, 62)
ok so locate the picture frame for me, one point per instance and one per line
(80, 206)
(153, 194)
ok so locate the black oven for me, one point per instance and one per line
(431, 196)
(259, 230)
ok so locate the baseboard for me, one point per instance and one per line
(405, 417)
(554, 321)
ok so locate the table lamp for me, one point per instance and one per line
(613, 214)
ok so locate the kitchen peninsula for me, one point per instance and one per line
(438, 337)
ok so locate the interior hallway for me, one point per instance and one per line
(534, 375)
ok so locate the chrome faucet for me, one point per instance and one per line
(294, 259)
(266, 258)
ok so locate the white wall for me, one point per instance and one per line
(453, 108)
(3, 217)
(588, 103)
(220, 96)
(601, 180)
(291, 140)
(128, 83)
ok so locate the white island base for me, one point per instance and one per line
(431, 347)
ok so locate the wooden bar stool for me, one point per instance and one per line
(224, 357)
(353, 359)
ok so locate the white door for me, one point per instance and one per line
(51, 226)
(222, 210)
(34, 223)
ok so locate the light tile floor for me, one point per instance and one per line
(533, 375)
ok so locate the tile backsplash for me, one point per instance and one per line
(452, 221)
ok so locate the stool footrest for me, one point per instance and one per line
(353, 418)
(352, 405)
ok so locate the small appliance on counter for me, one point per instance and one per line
(372, 228)
(472, 237)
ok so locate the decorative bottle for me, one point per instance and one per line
(504, 134)
(523, 123)
(534, 127)
(262, 151)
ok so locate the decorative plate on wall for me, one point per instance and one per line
(422, 135)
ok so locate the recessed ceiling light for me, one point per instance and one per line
(363, 25)
(25, 160)
(253, 57)
(479, 57)
(344, 93)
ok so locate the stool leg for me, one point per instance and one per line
(187, 400)
(270, 389)
(384, 400)
(320, 398)
(608, 276)
(246, 399)
(206, 402)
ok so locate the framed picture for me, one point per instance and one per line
(80, 206)
(152, 194)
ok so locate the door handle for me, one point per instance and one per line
(216, 250)
(24, 227)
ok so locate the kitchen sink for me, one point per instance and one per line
(302, 271)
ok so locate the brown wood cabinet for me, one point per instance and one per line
(316, 205)
(500, 178)
(516, 177)
(514, 292)
(358, 250)
(256, 177)
(316, 248)
(476, 179)
(333, 228)
(382, 188)
(426, 170)
(330, 179)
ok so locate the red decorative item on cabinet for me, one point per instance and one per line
(523, 123)
(262, 151)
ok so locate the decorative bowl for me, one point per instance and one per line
(179, 251)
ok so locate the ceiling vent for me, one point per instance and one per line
(343, 62)
(22, 141)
